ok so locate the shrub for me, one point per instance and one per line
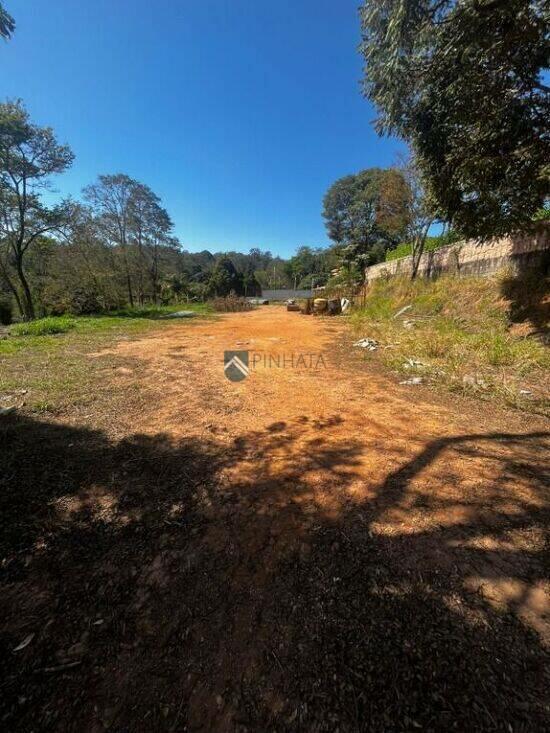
(44, 326)
(83, 303)
(231, 304)
(6, 312)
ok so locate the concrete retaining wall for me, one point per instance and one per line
(474, 258)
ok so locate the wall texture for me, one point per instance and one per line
(474, 258)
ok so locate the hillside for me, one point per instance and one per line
(487, 336)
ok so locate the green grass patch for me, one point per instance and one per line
(462, 332)
(44, 326)
(48, 358)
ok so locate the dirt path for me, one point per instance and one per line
(312, 548)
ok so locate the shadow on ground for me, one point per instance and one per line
(201, 585)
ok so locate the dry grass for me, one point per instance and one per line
(482, 335)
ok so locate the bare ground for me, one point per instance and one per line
(313, 548)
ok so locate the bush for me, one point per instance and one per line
(231, 304)
(83, 303)
(6, 311)
(43, 326)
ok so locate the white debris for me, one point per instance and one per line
(412, 380)
(346, 304)
(525, 392)
(402, 310)
(180, 314)
(413, 364)
(367, 343)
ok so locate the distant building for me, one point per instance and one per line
(286, 294)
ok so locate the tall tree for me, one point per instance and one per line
(29, 155)
(366, 213)
(111, 199)
(150, 229)
(461, 80)
(7, 23)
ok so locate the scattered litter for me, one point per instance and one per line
(408, 324)
(367, 343)
(413, 364)
(25, 643)
(180, 314)
(402, 310)
(526, 392)
(412, 380)
(346, 304)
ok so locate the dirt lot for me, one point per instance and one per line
(313, 548)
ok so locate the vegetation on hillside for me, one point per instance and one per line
(482, 335)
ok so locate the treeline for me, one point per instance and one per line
(113, 247)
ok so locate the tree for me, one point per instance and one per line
(150, 229)
(419, 210)
(7, 23)
(224, 278)
(110, 198)
(29, 155)
(462, 82)
(366, 214)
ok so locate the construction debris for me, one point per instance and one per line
(320, 305)
(367, 343)
(413, 364)
(412, 380)
(402, 310)
(180, 314)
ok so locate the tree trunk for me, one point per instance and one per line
(12, 288)
(28, 305)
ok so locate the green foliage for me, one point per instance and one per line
(44, 326)
(366, 214)
(432, 243)
(462, 82)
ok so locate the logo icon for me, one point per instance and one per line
(235, 365)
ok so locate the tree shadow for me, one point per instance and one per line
(528, 292)
(246, 585)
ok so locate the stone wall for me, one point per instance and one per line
(473, 258)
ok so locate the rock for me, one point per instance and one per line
(7, 410)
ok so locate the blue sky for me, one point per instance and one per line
(238, 113)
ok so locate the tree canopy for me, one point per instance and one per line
(462, 82)
(367, 213)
